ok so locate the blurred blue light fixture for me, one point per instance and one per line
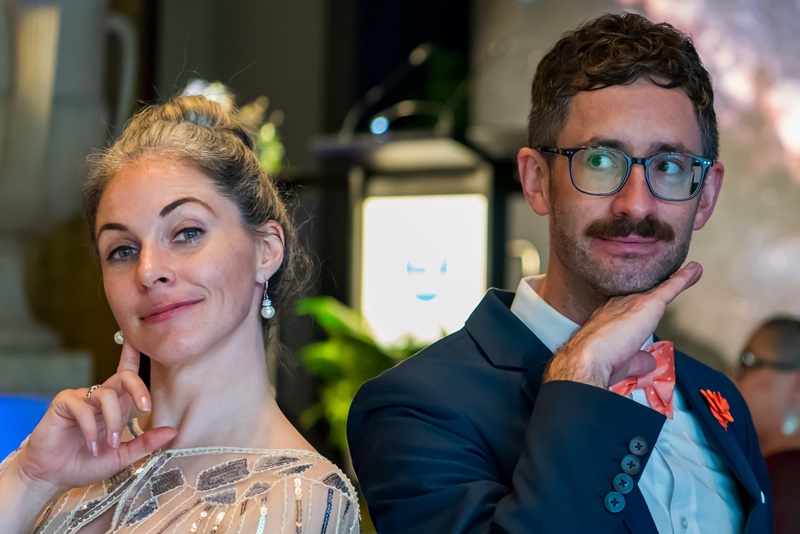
(379, 125)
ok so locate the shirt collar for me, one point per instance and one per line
(552, 328)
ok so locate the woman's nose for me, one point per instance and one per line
(154, 266)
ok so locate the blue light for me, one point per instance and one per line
(19, 415)
(379, 125)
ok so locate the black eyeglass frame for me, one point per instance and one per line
(748, 360)
(704, 163)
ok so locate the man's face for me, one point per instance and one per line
(630, 241)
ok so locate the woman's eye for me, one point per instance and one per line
(188, 234)
(122, 254)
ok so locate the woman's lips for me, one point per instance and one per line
(167, 311)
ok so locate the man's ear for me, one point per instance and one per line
(270, 248)
(534, 174)
(709, 195)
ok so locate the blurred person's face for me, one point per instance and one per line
(181, 272)
(767, 391)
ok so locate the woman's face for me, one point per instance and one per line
(181, 272)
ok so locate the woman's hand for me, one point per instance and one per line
(77, 442)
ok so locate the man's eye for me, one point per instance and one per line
(600, 161)
(669, 167)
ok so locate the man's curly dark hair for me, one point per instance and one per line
(618, 49)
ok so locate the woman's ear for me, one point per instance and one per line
(270, 249)
(534, 176)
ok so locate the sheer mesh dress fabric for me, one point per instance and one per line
(211, 490)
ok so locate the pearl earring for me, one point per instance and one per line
(267, 311)
(119, 338)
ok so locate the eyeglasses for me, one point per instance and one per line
(748, 360)
(599, 171)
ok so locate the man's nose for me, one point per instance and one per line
(634, 200)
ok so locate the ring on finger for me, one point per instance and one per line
(92, 390)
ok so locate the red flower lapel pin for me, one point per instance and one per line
(719, 407)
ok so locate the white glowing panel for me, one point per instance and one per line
(423, 263)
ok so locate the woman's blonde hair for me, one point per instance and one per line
(200, 133)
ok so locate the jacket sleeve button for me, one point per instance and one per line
(630, 464)
(638, 446)
(614, 502)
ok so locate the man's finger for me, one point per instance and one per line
(640, 364)
(683, 279)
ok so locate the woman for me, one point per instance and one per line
(769, 379)
(195, 246)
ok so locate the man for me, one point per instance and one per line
(508, 425)
(769, 379)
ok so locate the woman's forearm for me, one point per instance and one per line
(21, 500)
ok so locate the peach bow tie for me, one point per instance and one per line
(659, 385)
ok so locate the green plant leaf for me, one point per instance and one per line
(336, 318)
(349, 357)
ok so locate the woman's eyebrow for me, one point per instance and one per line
(169, 208)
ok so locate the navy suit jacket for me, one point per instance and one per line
(464, 437)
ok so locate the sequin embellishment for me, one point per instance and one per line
(328, 506)
(257, 489)
(203, 516)
(271, 462)
(262, 521)
(147, 508)
(227, 497)
(298, 500)
(165, 482)
(158, 496)
(222, 475)
(116, 480)
(294, 470)
(335, 481)
(220, 516)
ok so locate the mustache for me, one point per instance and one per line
(649, 227)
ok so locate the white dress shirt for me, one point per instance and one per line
(685, 483)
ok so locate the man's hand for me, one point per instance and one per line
(608, 347)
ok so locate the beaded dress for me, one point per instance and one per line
(211, 490)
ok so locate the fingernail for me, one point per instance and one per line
(94, 448)
(145, 403)
(115, 440)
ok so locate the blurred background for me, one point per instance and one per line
(394, 128)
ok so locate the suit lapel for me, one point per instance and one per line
(506, 342)
(722, 440)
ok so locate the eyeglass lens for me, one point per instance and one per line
(748, 360)
(602, 170)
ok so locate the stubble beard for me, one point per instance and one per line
(620, 275)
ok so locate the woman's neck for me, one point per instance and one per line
(222, 399)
